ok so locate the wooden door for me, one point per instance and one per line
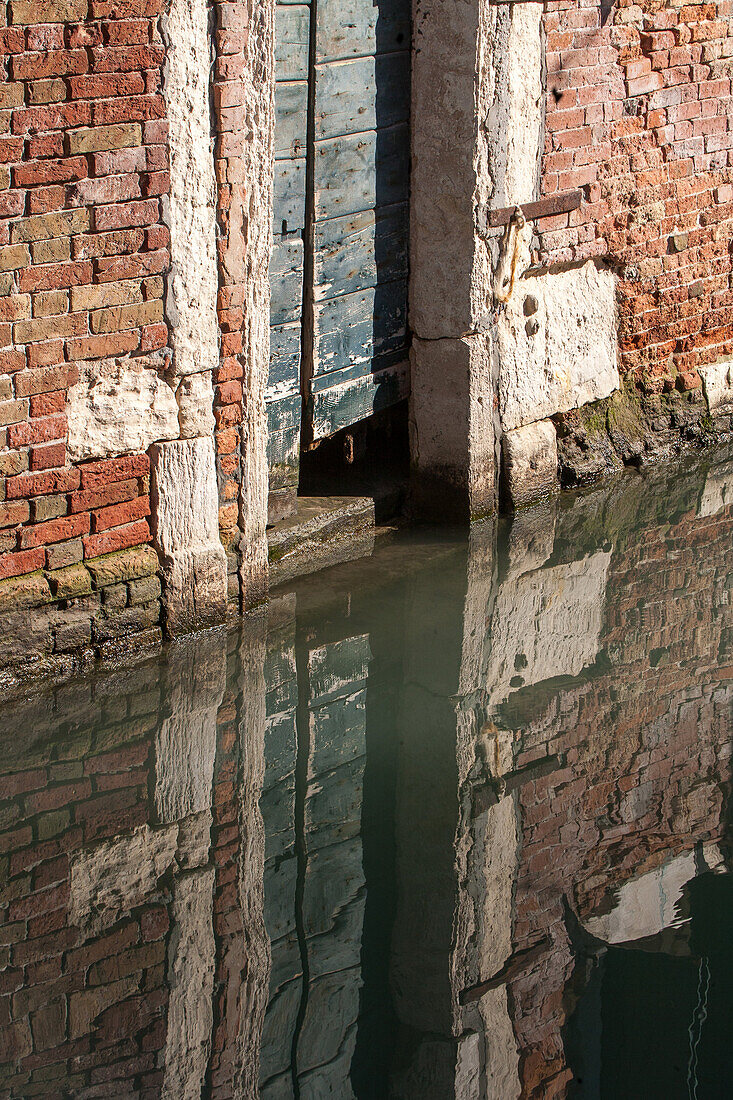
(339, 264)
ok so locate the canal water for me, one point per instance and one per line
(453, 821)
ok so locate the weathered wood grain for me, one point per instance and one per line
(360, 250)
(292, 30)
(284, 376)
(291, 119)
(341, 405)
(360, 28)
(361, 171)
(286, 280)
(289, 195)
(354, 328)
(362, 94)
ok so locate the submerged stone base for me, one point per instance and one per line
(58, 623)
(635, 428)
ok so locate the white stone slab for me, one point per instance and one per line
(119, 407)
(557, 344)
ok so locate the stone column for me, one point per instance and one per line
(184, 491)
(244, 112)
(452, 414)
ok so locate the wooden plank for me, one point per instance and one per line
(543, 208)
(342, 405)
(362, 94)
(284, 375)
(359, 370)
(289, 196)
(291, 119)
(361, 171)
(361, 28)
(292, 30)
(283, 430)
(361, 250)
(286, 280)
(354, 328)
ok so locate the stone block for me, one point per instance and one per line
(529, 463)
(117, 407)
(564, 353)
(195, 397)
(717, 381)
(124, 565)
(67, 584)
(185, 526)
(30, 590)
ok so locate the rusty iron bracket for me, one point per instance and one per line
(543, 208)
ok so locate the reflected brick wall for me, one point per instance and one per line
(622, 805)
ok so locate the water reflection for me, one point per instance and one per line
(450, 822)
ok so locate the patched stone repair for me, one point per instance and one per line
(185, 527)
(119, 406)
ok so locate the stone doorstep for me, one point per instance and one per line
(324, 531)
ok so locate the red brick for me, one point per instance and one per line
(24, 561)
(118, 514)
(42, 483)
(47, 456)
(46, 404)
(62, 170)
(55, 530)
(99, 498)
(120, 538)
(39, 430)
(55, 276)
(95, 475)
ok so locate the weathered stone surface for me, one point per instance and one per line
(195, 397)
(70, 582)
(547, 624)
(191, 978)
(324, 531)
(185, 524)
(718, 490)
(531, 537)
(185, 745)
(194, 840)
(452, 428)
(193, 281)
(30, 590)
(564, 355)
(717, 381)
(529, 457)
(113, 877)
(119, 406)
(123, 565)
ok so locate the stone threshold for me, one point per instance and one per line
(325, 531)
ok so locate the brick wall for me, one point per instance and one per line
(83, 249)
(639, 116)
(622, 807)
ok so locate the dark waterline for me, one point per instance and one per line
(449, 822)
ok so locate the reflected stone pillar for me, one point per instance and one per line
(455, 862)
(185, 748)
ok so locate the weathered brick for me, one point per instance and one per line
(54, 530)
(119, 318)
(50, 507)
(48, 11)
(14, 257)
(117, 514)
(61, 223)
(38, 430)
(14, 512)
(13, 565)
(11, 412)
(44, 380)
(119, 538)
(96, 475)
(47, 456)
(42, 483)
(104, 137)
(127, 565)
(60, 555)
